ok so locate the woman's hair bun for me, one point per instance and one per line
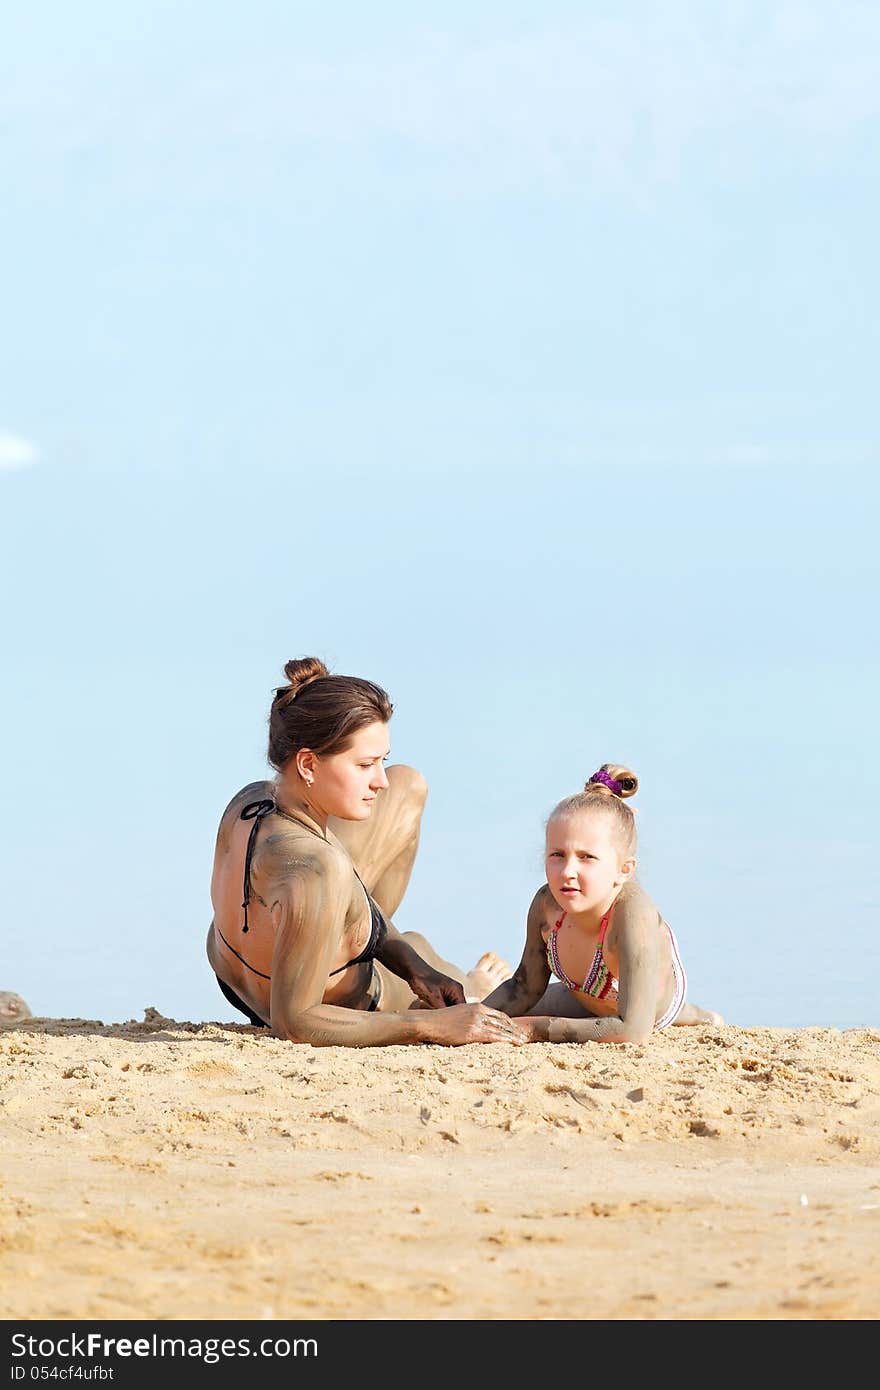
(613, 780)
(300, 672)
(326, 720)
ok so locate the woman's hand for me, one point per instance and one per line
(432, 988)
(436, 991)
(473, 1023)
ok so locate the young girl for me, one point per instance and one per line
(597, 931)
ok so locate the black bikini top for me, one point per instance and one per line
(257, 812)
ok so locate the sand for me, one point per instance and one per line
(167, 1170)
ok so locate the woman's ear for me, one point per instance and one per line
(305, 765)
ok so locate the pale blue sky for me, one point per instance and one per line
(520, 358)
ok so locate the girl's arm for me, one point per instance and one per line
(532, 976)
(639, 959)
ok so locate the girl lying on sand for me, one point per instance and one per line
(595, 928)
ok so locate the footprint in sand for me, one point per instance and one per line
(12, 1008)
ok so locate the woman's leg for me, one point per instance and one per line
(488, 973)
(384, 847)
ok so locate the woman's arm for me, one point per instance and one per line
(532, 976)
(310, 897)
(432, 987)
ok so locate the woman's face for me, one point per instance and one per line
(346, 784)
(583, 862)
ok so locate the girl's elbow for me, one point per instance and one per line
(633, 1031)
(637, 1035)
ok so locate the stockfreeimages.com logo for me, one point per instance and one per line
(94, 1346)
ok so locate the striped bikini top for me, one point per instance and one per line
(599, 982)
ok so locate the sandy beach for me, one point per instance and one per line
(168, 1170)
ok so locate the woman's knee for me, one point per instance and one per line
(409, 784)
(420, 944)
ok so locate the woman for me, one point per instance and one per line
(308, 871)
(597, 931)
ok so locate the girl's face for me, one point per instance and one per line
(583, 862)
(346, 784)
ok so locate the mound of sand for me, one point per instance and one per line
(13, 1008)
(165, 1170)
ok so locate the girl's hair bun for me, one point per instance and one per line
(612, 780)
(605, 792)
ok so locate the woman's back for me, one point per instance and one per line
(285, 854)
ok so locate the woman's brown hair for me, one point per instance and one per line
(321, 711)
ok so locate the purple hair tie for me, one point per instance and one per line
(607, 781)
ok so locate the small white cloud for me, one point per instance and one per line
(16, 452)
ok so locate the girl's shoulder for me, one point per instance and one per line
(633, 906)
(544, 910)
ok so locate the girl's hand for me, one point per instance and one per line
(535, 1029)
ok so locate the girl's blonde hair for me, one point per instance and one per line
(605, 791)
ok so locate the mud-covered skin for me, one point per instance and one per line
(308, 915)
(636, 955)
(13, 1009)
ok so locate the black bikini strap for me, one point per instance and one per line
(255, 811)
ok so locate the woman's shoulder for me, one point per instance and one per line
(288, 850)
(296, 847)
(254, 791)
